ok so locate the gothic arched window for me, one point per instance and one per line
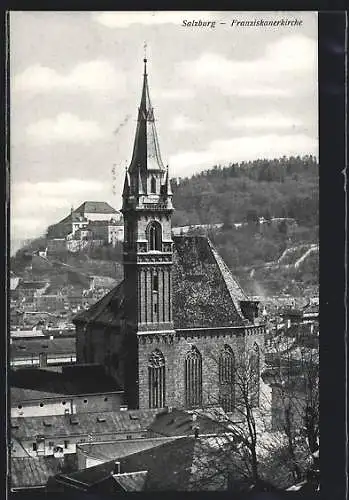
(226, 368)
(156, 379)
(193, 378)
(154, 236)
(254, 375)
(153, 185)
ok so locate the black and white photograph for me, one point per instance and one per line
(164, 261)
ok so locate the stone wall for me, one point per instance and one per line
(175, 348)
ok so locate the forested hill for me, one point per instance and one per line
(284, 187)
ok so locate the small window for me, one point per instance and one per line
(105, 399)
(153, 185)
(63, 403)
(129, 436)
(51, 444)
(85, 400)
(41, 405)
(35, 447)
(155, 283)
(66, 443)
(155, 308)
(19, 407)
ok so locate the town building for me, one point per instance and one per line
(42, 352)
(172, 332)
(91, 221)
(57, 435)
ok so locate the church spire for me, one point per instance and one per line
(146, 149)
(126, 189)
(167, 184)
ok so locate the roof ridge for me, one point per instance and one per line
(229, 280)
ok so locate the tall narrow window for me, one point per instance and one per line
(154, 236)
(155, 283)
(254, 375)
(156, 379)
(153, 185)
(226, 368)
(193, 378)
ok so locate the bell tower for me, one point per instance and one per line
(147, 209)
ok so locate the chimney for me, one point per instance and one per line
(117, 468)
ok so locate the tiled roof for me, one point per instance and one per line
(106, 310)
(202, 293)
(98, 207)
(24, 347)
(33, 471)
(177, 465)
(82, 424)
(118, 449)
(35, 383)
(180, 423)
(132, 481)
(205, 294)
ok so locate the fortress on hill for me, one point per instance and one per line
(173, 330)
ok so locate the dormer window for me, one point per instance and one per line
(153, 185)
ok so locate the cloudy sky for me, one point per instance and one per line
(220, 95)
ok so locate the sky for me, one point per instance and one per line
(220, 94)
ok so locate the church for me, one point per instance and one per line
(171, 332)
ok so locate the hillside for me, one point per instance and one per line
(274, 256)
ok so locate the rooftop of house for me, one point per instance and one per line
(23, 348)
(98, 423)
(205, 294)
(98, 207)
(33, 383)
(182, 464)
(179, 422)
(114, 450)
(33, 472)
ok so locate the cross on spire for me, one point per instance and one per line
(145, 58)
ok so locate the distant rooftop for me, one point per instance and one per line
(98, 207)
(33, 383)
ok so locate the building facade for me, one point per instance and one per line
(174, 330)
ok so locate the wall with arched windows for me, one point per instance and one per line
(196, 368)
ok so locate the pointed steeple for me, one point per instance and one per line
(126, 189)
(146, 150)
(140, 183)
(167, 184)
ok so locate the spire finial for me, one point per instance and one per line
(145, 57)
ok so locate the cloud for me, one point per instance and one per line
(147, 18)
(239, 149)
(173, 94)
(181, 122)
(286, 65)
(64, 128)
(34, 206)
(95, 75)
(266, 121)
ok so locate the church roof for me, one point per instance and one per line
(146, 149)
(205, 294)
